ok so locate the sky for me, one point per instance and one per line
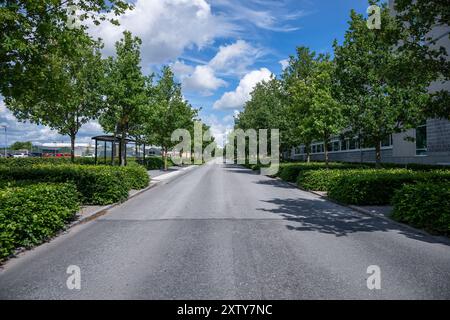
(218, 50)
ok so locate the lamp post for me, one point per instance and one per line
(6, 140)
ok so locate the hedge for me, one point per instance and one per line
(136, 177)
(319, 180)
(154, 163)
(30, 214)
(377, 186)
(96, 184)
(290, 171)
(424, 205)
(30, 161)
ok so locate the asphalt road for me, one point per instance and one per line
(223, 232)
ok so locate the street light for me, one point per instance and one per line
(6, 139)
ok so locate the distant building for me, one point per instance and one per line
(54, 148)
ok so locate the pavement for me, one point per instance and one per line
(224, 232)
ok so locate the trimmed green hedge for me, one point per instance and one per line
(30, 214)
(25, 162)
(154, 163)
(96, 184)
(136, 177)
(290, 171)
(424, 205)
(377, 187)
(319, 180)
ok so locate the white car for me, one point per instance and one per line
(20, 155)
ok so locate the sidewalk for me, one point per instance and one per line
(157, 177)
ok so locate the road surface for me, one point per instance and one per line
(224, 232)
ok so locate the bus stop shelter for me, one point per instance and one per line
(105, 139)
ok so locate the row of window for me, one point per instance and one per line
(342, 145)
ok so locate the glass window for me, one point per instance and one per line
(387, 141)
(353, 144)
(314, 149)
(335, 145)
(421, 140)
(320, 148)
(344, 144)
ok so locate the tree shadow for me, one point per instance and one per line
(276, 183)
(330, 218)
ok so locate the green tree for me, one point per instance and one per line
(170, 112)
(425, 24)
(313, 98)
(30, 33)
(375, 81)
(300, 125)
(18, 145)
(125, 92)
(79, 95)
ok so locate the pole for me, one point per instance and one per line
(95, 151)
(6, 141)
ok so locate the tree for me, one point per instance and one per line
(313, 99)
(375, 80)
(266, 109)
(300, 127)
(425, 24)
(124, 89)
(76, 97)
(30, 33)
(170, 112)
(18, 145)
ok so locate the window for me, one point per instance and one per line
(344, 144)
(421, 140)
(329, 147)
(320, 148)
(387, 142)
(335, 145)
(314, 149)
(353, 144)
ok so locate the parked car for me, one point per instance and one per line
(20, 155)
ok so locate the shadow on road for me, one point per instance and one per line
(315, 214)
(325, 217)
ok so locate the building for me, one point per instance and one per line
(430, 143)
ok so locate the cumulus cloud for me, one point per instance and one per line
(166, 27)
(237, 98)
(203, 80)
(233, 59)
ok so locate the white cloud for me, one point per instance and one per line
(284, 63)
(235, 58)
(237, 98)
(203, 80)
(166, 27)
(268, 15)
(232, 59)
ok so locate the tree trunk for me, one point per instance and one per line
(326, 141)
(72, 146)
(308, 152)
(165, 159)
(122, 149)
(378, 154)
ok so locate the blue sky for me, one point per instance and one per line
(218, 49)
